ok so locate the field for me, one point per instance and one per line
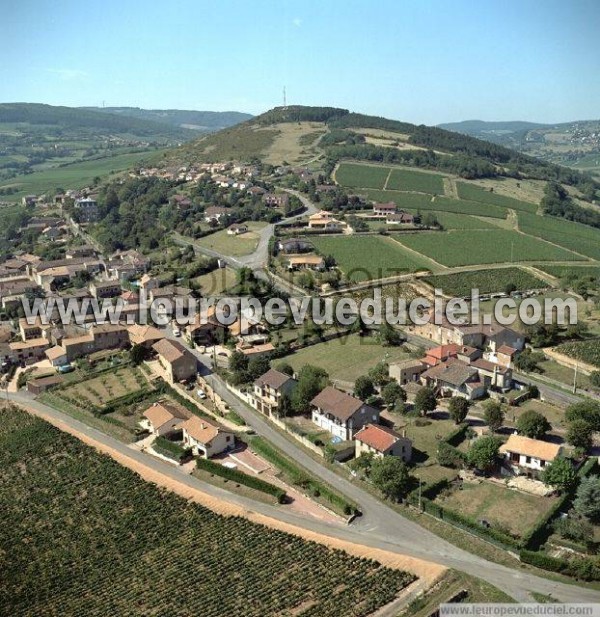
(418, 181)
(592, 272)
(236, 246)
(487, 281)
(345, 358)
(74, 176)
(452, 220)
(586, 351)
(369, 257)
(95, 539)
(461, 248)
(574, 236)
(476, 193)
(361, 176)
(216, 282)
(497, 505)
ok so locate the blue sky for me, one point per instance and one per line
(414, 60)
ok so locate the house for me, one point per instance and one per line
(205, 437)
(147, 283)
(504, 356)
(384, 210)
(163, 418)
(341, 414)
(215, 213)
(144, 335)
(86, 209)
(324, 221)
(85, 250)
(306, 262)
(455, 378)
(269, 389)
(105, 289)
(29, 331)
(37, 386)
(276, 200)
(406, 371)
(295, 246)
(252, 351)
(236, 230)
(57, 355)
(382, 441)
(206, 329)
(399, 218)
(78, 346)
(30, 351)
(179, 363)
(523, 453)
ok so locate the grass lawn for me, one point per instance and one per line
(555, 415)
(459, 248)
(363, 258)
(345, 358)
(216, 282)
(498, 505)
(564, 374)
(243, 244)
(361, 176)
(478, 193)
(426, 438)
(421, 182)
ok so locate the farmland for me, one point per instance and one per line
(362, 176)
(418, 181)
(486, 281)
(574, 236)
(369, 257)
(90, 524)
(586, 351)
(473, 192)
(460, 248)
(591, 272)
(452, 220)
(338, 356)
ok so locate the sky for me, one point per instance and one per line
(422, 61)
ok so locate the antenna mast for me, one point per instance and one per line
(284, 99)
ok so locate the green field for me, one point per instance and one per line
(90, 537)
(421, 182)
(591, 272)
(237, 246)
(345, 358)
(72, 176)
(452, 220)
(574, 236)
(486, 281)
(407, 201)
(369, 257)
(461, 248)
(361, 176)
(478, 193)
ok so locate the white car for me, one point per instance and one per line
(201, 393)
(176, 332)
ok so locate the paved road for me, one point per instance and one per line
(380, 527)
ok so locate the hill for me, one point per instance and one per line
(573, 144)
(44, 146)
(200, 121)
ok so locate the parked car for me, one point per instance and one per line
(201, 393)
(66, 368)
(176, 332)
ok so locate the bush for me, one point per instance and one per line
(241, 478)
(584, 569)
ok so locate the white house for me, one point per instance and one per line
(163, 418)
(382, 441)
(206, 438)
(523, 453)
(341, 414)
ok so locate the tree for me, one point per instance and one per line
(574, 528)
(458, 408)
(284, 367)
(528, 361)
(494, 414)
(425, 401)
(390, 475)
(483, 454)
(587, 500)
(579, 434)
(362, 464)
(389, 337)
(533, 424)
(380, 373)
(587, 410)
(392, 392)
(311, 380)
(138, 354)
(285, 409)
(258, 367)
(559, 474)
(363, 387)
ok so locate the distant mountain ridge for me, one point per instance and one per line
(204, 121)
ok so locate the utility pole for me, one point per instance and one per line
(575, 378)
(419, 492)
(512, 249)
(284, 98)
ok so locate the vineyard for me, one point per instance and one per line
(486, 281)
(586, 351)
(478, 193)
(421, 182)
(361, 176)
(96, 540)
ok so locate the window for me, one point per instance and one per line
(528, 460)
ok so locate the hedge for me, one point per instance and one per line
(241, 478)
(584, 569)
(301, 478)
(457, 436)
(169, 449)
